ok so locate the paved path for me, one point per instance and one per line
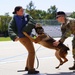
(13, 56)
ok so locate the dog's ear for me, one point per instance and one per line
(38, 25)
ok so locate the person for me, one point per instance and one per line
(67, 28)
(15, 27)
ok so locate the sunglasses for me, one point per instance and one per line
(58, 16)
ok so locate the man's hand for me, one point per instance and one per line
(56, 43)
(17, 38)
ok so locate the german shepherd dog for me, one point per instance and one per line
(47, 41)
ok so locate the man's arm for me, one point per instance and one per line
(12, 29)
(30, 25)
(66, 34)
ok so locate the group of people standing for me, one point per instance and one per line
(20, 20)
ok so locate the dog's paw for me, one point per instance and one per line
(59, 65)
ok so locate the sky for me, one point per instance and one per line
(62, 5)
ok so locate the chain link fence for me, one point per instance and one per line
(48, 22)
(51, 27)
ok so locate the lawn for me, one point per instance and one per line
(5, 39)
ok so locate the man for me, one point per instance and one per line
(67, 28)
(16, 25)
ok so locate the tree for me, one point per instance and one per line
(30, 6)
(4, 21)
(41, 14)
(72, 15)
(52, 10)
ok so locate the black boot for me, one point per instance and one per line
(33, 71)
(73, 67)
(26, 68)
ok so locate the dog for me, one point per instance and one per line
(45, 40)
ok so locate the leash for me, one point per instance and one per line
(37, 58)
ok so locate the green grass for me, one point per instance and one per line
(5, 39)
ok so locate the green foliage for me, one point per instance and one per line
(72, 15)
(4, 20)
(41, 14)
(5, 39)
(31, 6)
(52, 12)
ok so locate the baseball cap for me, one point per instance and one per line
(60, 13)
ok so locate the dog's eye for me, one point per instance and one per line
(39, 27)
